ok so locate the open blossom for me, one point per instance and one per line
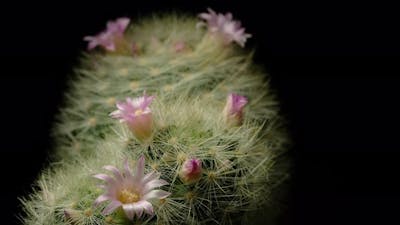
(130, 191)
(107, 38)
(191, 170)
(224, 25)
(233, 111)
(136, 113)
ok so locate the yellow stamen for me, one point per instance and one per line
(128, 196)
(138, 112)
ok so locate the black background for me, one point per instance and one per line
(334, 65)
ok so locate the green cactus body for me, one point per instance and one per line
(241, 164)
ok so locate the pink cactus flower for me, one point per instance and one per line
(191, 170)
(107, 38)
(233, 111)
(136, 113)
(229, 29)
(130, 191)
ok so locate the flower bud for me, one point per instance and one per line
(191, 170)
(233, 111)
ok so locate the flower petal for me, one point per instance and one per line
(88, 38)
(154, 184)
(104, 177)
(205, 16)
(129, 210)
(115, 171)
(111, 207)
(100, 199)
(158, 194)
(123, 23)
(102, 186)
(149, 177)
(138, 209)
(127, 170)
(145, 101)
(146, 206)
(139, 173)
(118, 26)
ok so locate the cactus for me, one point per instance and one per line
(213, 165)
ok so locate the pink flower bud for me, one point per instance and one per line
(191, 170)
(180, 46)
(233, 111)
(137, 115)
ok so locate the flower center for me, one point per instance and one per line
(128, 196)
(138, 112)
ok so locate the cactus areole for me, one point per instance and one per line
(166, 121)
